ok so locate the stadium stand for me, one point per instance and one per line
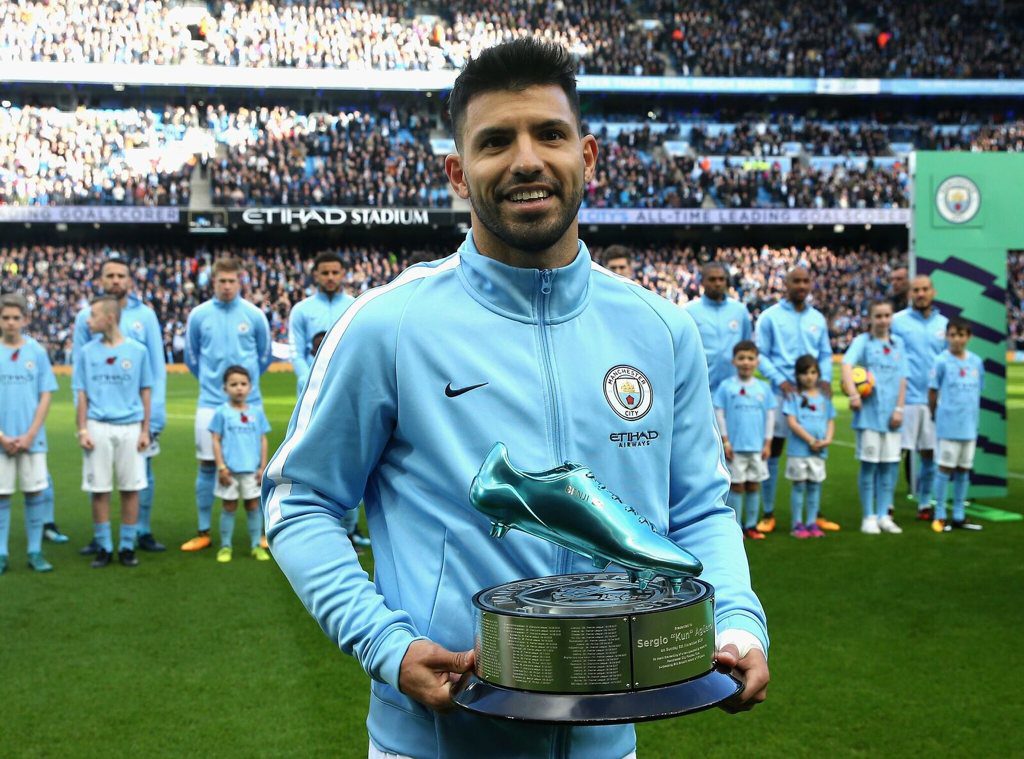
(708, 38)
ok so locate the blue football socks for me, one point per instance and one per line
(227, 527)
(886, 487)
(768, 486)
(961, 481)
(750, 510)
(796, 502)
(813, 501)
(127, 542)
(101, 534)
(866, 483)
(205, 482)
(5, 523)
(255, 522)
(48, 517)
(925, 478)
(35, 508)
(146, 501)
(940, 486)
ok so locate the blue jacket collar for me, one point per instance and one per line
(322, 296)
(712, 303)
(229, 304)
(517, 293)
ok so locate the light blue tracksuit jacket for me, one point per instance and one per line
(309, 316)
(925, 339)
(220, 334)
(722, 324)
(784, 334)
(377, 420)
(139, 322)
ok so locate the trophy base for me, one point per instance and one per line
(694, 695)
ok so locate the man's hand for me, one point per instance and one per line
(788, 388)
(728, 450)
(752, 669)
(429, 671)
(143, 443)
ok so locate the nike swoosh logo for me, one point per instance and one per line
(455, 393)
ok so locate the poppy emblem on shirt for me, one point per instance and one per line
(245, 419)
(886, 350)
(963, 372)
(111, 360)
(813, 407)
(243, 327)
(743, 391)
(126, 364)
(14, 356)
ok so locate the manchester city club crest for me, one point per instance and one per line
(126, 364)
(243, 327)
(628, 392)
(958, 200)
(137, 326)
(30, 365)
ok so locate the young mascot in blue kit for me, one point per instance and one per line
(516, 337)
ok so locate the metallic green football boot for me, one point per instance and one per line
(569, 507)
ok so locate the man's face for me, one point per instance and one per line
(328, 276)
(620, 266)
(523, 166)
(11, 322)
(115, 279)
(225, 285)
(715, 283)
(798, 286)
(922, 293)
(900, 282)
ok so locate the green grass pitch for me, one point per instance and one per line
(881, 645)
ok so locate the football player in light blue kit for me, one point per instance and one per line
(516, 337)
(723, 322)
(240, 450)
(113, 383)
(877, 418)
(954, 396)
(810, 416)
(745, 409)
(310, 317)
(27, 385)
(316, 313)
(139, 322)
(923, 330)
(790, 329)
(221, 332)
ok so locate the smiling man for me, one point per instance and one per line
(517, 337)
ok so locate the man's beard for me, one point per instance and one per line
(527, 236)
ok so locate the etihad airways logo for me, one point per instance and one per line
(329, 217)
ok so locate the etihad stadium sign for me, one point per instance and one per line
(330, 217)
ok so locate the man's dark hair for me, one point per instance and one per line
(616, 251)
(115, 258)
(958, 324)
(327, 257)
(744, 345)
(515, 65)
(236, 369)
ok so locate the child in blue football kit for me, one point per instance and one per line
(877, 418)
(239, 431)
(810, 417)
(113, 381)
(26, 387)
(954, 397)
(745, 409)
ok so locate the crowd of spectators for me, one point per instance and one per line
(58, 280)
(351, 158)
(92, 157)
(827, 38)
